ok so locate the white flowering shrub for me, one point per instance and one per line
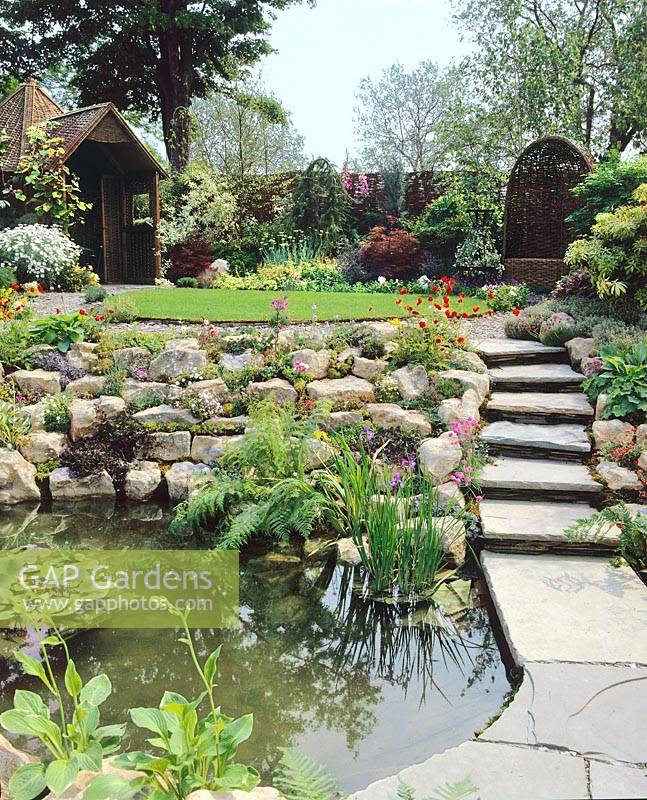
(40, 253)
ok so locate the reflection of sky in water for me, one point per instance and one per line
(322, 670)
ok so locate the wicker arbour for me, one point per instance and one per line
(538, 200)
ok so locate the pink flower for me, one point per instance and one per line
(299, 366)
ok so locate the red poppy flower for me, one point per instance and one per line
(448, 313)
(446, 301)
(490, 312)
(403, 291)
(516, 312)
(422, 323)
(461, 295)
(465, 315)
(438, 306)
(408, 308)
(40, 288)
(476, 309)
(444, 278)
(111, 311)
(490, 295)
(460, 340)
(57, 310)
(460, 300)
(438, 340)
(416, 313)
(452, 281)
(435, 289)
(83, 312)
(419, 301)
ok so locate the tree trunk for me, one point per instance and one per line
(173, 78)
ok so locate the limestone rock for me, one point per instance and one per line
(165, 446)
(600, 405)
(384, 331)
(440, 457)
(172, 363)
(612, 431)
(135, 390)
(227, 424)
(182, 477)
(209, 449)
(470, 405)
(412, 381)
(317, 454)
(37, 380)
(470, 380)
(142, 480)
(17, 478)
(281, 391)
(127, 357)
(64, 486)
(87, 386)
(472, 359)
(368, 368)
(642, 461)
(82, 355)
(641, 436)
(580, 348)
(213, 391)
(259, 793)
(348, 552)
(87, 416)
(343, 419)
(316, 360)
(342, 390)
(36, 413)
(10, 760)
(453, 538)
(235, 363)
(164, 415)
(618, 478)
(349, 352)
(187, 343)
(451, 494)
(465, 407)
(41, 446)
(392, 417)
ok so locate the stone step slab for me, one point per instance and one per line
(517, 351)
(557, 608)
(536, 477)
(595, 710)
(505, 436)
(556, 377)
(540, 406)
(539, 524)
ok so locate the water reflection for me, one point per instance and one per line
(358, 684)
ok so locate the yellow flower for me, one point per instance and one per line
(322, 436)
(397, 323)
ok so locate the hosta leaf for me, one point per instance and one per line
(61, 773)
(27, 782)
(96, 690)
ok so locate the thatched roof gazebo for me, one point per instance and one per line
(113, 167)
(538, 200)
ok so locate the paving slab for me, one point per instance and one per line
(524, 436)
(617, 782)
(596, 711)
(498, 771)
(495, 350)
(568, 608)
(555, 376)
(528, 521)
(533, 475)
(541, 404)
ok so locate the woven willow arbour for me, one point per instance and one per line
(538, 200)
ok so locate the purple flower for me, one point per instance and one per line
(369, 433)
(396, 481)
(280, 304)
(409, 463)
(592, 366)
(299, 366)
(141, 373)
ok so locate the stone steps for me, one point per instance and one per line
(534, 479)
(540, 407)
(535, 377)
(530, 440)
(537, 527)
(517, 351)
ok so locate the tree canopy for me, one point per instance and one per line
(149, 56)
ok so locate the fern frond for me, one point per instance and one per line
(455, 791)
(244, 525)
(299, 777)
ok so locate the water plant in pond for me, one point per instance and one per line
(393, 517)
(75, 741)
(194, 752)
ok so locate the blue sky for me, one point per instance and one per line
(324, 52)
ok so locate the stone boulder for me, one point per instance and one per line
(349, 352)
(183, 477)
(82, 355)
(317, 454)
(231, 362)
(578, 349)
(342, 419)
(259, 793)
(612, 431)
(165, 446)
(165, 415)
(453, 537)
(384, 331)
(188, 343)
(472, 359)
(450, 494)
(368, 368)
(135, 390)
(36, 413)
(142, 480)
(65, 486)
(480, 383)
(176, 361)
(617, 478)
(342, 390)
(128, 357)
(281, 391)
(392, 417)
(600, 405)
(465, 407)
(37, 380)
(17, 478)
(10, 760)
(87, 416)
(317, 361)
(227, 424)
(208, 449)
(412, 381)
(214, 391)
(642, 461)
(440, 457)
(87, 386)
(41, 446)
(641, 436)
(348, 552)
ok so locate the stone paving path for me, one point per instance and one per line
(577, 726)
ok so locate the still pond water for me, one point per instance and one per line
(344, 680)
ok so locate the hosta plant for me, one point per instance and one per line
(72, 735)
(59, 330)
(623, 379)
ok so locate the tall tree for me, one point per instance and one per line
(574, 67)
(150, 56)
(245, 132)
(399, 118)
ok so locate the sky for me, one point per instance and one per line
(324, 52)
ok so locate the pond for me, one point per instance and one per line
(356, 684)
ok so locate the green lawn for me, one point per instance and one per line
(235, 305)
